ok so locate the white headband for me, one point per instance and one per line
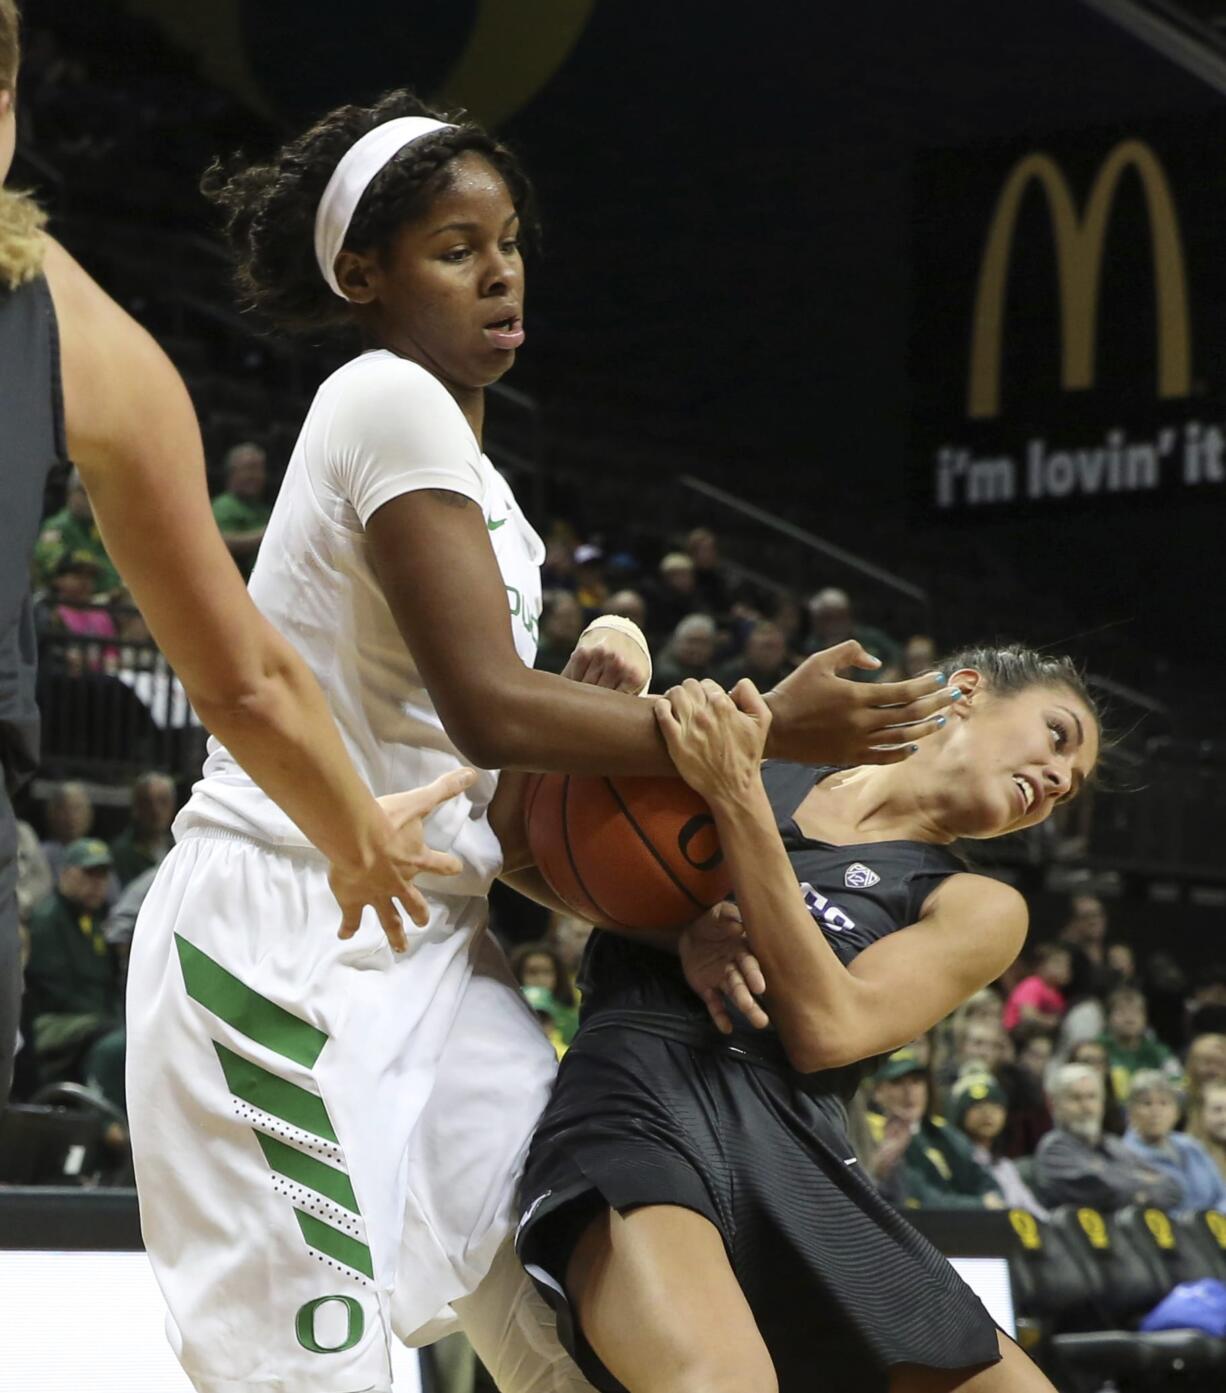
(352, 177)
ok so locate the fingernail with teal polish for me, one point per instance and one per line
(940, 679)
(956, 694)
(913, 748)
(940, 722)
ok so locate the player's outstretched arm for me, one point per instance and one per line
(133, 434)
(432, 553)
(829, 1015)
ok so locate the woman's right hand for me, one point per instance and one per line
(396, 854)
(720, 967)
(716, 739)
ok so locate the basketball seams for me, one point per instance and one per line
(638, 831)
(570, 855)
(537, 781)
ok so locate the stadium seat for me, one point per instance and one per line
(1053, 1283)
(43, 1145)
(1134, 1273)
(1208, 1231)
(1133, 1280)
(1171, 1361)
(1181, 1255)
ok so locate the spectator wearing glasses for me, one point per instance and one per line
(1154, 1106)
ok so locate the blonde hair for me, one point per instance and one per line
(1196, 1123)
(21, 219)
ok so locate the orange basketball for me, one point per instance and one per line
(641, 853)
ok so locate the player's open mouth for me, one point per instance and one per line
(1027, 792)
(506, 333)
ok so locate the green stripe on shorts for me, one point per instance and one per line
(307, 1170)
(247, 1011)
(334, 1244)
(275, 1096)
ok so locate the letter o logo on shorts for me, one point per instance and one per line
(305, 1324)
(698, 823)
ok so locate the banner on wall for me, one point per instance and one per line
(1069, 322)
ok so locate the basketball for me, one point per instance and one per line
(640, 853)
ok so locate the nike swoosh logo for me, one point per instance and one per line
(493, 524)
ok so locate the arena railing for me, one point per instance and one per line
(112, 708)
(831, 551)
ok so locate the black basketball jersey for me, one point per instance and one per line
(31, 442)
(855, 895)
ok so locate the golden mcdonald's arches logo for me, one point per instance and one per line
(1079, 256)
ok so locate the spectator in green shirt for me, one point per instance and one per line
(143, 844)
(1130, 1043)
(72, 979)
(922, 1162)
(241, 512)
(72, 531)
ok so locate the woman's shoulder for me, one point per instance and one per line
(989, 899)
(379, 398)
(382, 374)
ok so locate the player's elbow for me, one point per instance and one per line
(813, 1044)
(260, 683)
(492, 728)
(494, 742)
(231, 704)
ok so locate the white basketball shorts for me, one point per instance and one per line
(326, 1135)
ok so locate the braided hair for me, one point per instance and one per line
(268, 209)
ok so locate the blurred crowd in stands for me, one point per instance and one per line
(1072, 1080)
(1077, 1078)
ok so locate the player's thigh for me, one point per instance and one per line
(1014, 1374)
(659, 1303)
(490, 1083)
(266, 1141)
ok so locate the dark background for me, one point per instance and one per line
(763, 229)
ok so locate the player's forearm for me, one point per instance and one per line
(280, 730)
(809, 991)
(536, 721)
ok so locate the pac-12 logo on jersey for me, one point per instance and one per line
(858, 876)
(828, 915)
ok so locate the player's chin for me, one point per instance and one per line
(492, 364)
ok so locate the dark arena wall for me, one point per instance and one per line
(764, 238)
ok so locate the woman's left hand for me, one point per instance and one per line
(720, 967)
(716, 739)
(608, 658)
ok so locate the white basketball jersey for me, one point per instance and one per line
(380, 426)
